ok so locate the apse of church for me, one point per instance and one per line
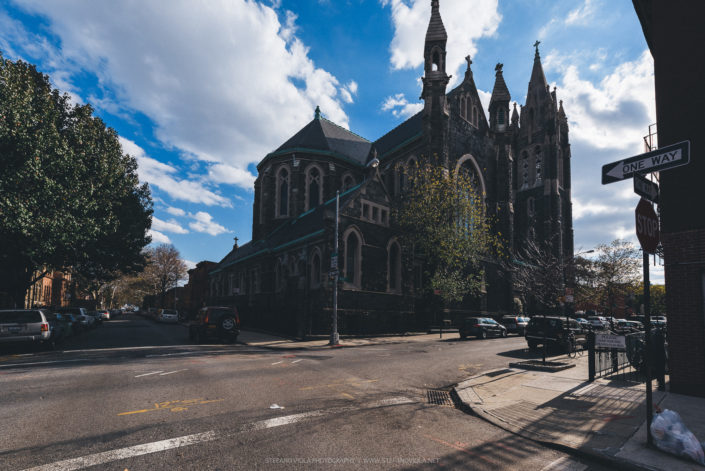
(519, 159)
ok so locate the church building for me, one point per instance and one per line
(520, 160)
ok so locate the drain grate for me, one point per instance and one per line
(439, 397)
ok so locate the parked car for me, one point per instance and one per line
(61, 327)
(481, 327)
(598, 322)
(583, 323)
(558, 332)
(168, 315)
(215, 322)
(25, 325)
(81, 316)
(515, 324)
(104, 314)
(624, 326)
(97, 318)
(72, 325)
(658, 321)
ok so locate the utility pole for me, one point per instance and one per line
(334, 338)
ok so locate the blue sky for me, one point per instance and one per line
(200, 91)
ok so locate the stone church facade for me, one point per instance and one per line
(519, 159)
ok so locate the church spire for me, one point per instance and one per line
(538, 79)
(436, 31)
(499, 102)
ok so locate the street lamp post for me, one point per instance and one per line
(334, 337)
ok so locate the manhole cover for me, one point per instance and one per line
(439, 397)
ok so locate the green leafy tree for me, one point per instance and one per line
(68, 195)
(441, 215)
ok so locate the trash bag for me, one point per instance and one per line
(672, 436)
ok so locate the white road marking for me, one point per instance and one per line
(147, 374)
(296, 361)
(154, 447)
(279, 421)
(278, 362)
(172, 372)
(41, 362)
(123, 453)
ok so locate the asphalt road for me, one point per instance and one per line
(137, 395)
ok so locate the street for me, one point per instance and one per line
(135, 395)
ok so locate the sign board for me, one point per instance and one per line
(655, 161)
(647, 230)
(334, 262)
(332, 274)
(569, 298)
(645, 188)
(611, 341)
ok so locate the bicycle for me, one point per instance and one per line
(572, 347)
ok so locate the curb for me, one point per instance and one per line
(620, 463)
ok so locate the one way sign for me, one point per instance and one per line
(655, 161)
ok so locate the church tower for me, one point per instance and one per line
(435, 81)
(544, 212)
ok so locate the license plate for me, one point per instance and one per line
(212, 326)
(14, 330)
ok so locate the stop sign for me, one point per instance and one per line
(647, 230)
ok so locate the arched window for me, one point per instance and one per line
(352, 258)
(500, 115)
(463, 107)
(282, 209)
(525, 169)
(537, 153)
(393, 267)
(348, 182)
(401, 178)
(315, 270)
(475, 115)
(436, 61)
(313, 188)
(530, 206)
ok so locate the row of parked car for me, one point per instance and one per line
(49, 327)
(169, 316)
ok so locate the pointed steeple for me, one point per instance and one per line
(436, 31)
(499, 102)
(515, 116)
(538, 78)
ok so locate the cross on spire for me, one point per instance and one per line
(536, 45)
(469, 60)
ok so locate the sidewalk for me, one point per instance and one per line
(604, 420)
(263, 339)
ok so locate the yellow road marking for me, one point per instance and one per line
(349, 396)
(173, 406)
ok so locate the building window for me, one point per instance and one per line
(500, 116)
(463, 107)
(352, 258)
(530, 206)
(537, 152)
(315, 270)
(401, 179)
(314, 188)
(282, 209)
(394, 267)
(348, 182)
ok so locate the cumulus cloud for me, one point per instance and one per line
(175, 211)
(158, 237)
(203, 222)
(165, 177)
(167, 226)
(464, 21)
(224, 81)
(224, 173)
(582, 14)
(400, 106)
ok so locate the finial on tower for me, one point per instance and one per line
(536, 45)
(317, 113)
(498, 67)
(468, 60)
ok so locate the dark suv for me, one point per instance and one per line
(215, 322)
(481, 327)
(559, 332)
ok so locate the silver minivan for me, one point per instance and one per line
(25, 325)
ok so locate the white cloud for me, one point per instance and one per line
(175, 211)
(203, 222)
(582, 14)
(164, 177)
(400, 107)
(223, 173)
(614, 113)
(224, 80)
(348, 91)
(464, 21)
(189, 264)
(158, 237)
(167, 226)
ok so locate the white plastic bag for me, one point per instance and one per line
(672, 436)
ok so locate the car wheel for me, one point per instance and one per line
(228, 324)
(463, 336)
(50, 344)
(483, 335)
(504, 333)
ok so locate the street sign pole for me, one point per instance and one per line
(334, 337)
(647, 347)
(645, 188)
(655, 161)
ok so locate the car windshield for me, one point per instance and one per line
(168, 311)
(20, 317)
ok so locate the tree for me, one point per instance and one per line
(68, 195)
(442, 217)
(164, 269)
(617, 272)
(539, 274)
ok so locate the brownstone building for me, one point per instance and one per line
(675, 35)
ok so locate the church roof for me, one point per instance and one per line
(305, 226)
(405, 132)
(500, 92)
(538, 78)
(323, 135)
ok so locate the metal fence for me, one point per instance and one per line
(626, 363)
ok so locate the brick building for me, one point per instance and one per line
(520, 162)
(674, 33)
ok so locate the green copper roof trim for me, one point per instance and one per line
(399, 146)
(306, 150)
(300, 239)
